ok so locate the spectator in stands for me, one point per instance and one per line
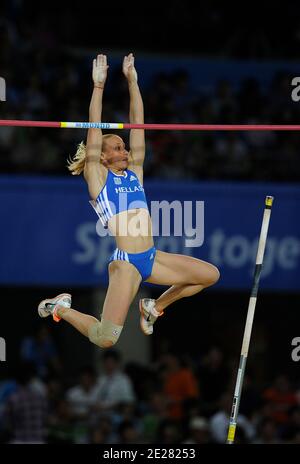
(25, 413)
(83, 397)
(179, 384)
(157, 413)
(62, 429)
(41, 350)
(280, 397)
(213, 377)
(114, 386)
(199, 433)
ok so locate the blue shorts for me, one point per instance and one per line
(143, 262)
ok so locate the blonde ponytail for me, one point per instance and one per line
(76, 164)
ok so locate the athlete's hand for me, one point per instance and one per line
(100, 68)
(129, 70)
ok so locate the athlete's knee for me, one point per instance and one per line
(105, 333)
(213, 275)
(209, 275)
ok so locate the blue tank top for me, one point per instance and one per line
(120, 193)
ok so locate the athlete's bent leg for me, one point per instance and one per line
(174, 269)
(174, 293)
(102, 333)
(124, 281)
(188, 275)
(80, 321)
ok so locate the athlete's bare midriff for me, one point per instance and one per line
(132, 230)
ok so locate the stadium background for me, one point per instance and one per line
(200, 65)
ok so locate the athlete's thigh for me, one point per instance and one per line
(175, 269)
(124, 282)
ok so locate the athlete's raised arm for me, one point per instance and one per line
(136, 116)
(94, 170)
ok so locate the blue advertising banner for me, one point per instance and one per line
(48, 231)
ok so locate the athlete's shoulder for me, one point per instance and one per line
(131, 173)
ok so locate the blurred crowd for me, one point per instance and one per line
(47, 82)
(209, 28)
(178, 399)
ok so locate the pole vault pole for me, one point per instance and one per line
(249, 321)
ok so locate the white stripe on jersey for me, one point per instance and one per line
(103, 206)
(107, 202)
(97, 207)
(100, 208)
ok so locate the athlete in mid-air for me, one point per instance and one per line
(115, 182)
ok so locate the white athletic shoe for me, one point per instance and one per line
(148, 315)
(48, 307)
